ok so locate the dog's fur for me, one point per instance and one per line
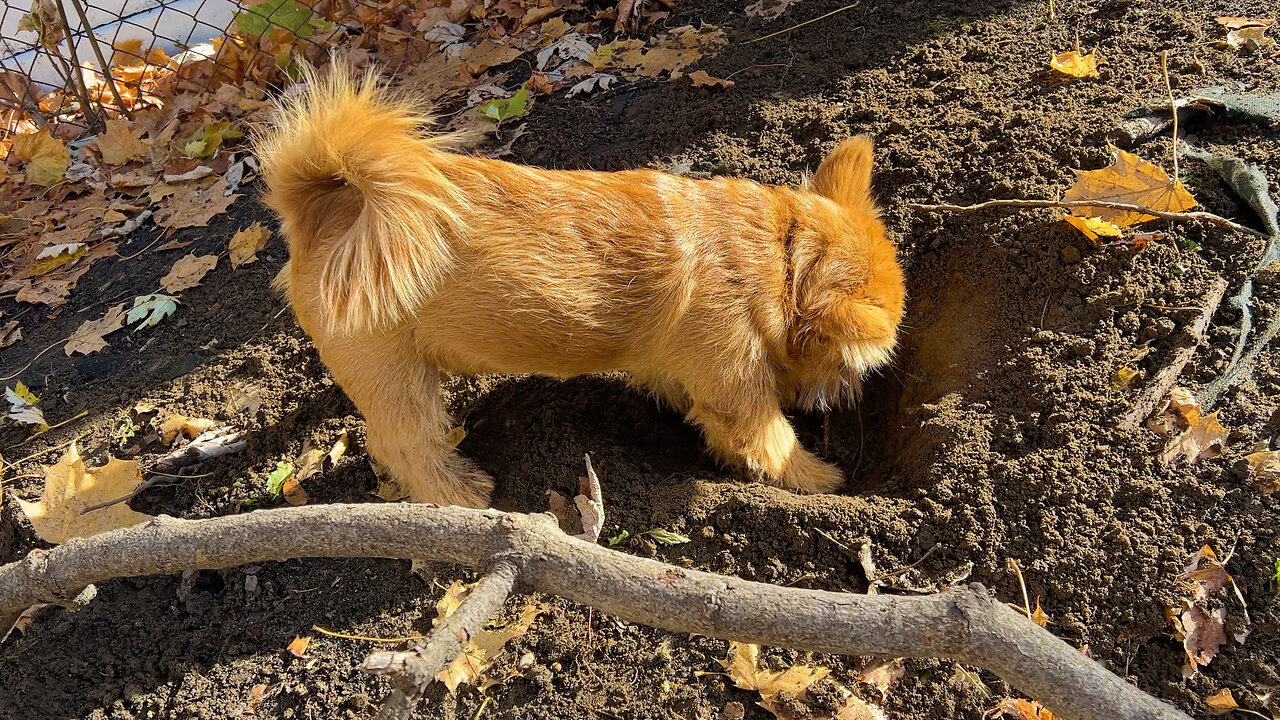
(728, 299)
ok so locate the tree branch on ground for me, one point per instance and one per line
(1069, 204)
(963, 623)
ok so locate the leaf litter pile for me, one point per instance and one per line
(153, 372)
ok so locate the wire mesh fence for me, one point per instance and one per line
(68, 65)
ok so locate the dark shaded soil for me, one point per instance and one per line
(990, 438)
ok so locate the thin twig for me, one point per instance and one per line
(68, 421)
(1173, 110)
(367, 638)
(1022, 584)
(33, 360)
(1167, 377)
(850, 6)
(1068, 204)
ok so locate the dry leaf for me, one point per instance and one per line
(1132, 180)
(1180, 409)
(10, 333)
(45, 156)
(1264, 470)
(1221, 702)
(1123, 377)
(700, 78)
(768, 9)
(187, 272)
(1073, 64)
(391, 490)
(1200, 620)
(1092, 227)
(293, 492)
(256, 694)
(190, 428)
(1022, 709)
(1039, 616)
(120, 143)
(91, 336)
(298, 648)
(1204, 438)
(191, 206)
(339, 448)
(743, 667)
(488, 54)
(480, 651)
(69, 488)
(246, 243)
(1249, 33)
(883, 674)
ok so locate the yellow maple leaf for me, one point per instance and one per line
(46, 156)
(743, 667)
(246, 243)
(1204, 438)
(91, 336)
(1093, 227)
(479, 653)
(1221, 702)
(1073, 64)
(187, 272)
(70, 487)
(119, 144)
(1131, 180)
(175, 424)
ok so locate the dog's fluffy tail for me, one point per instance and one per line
(356, 182)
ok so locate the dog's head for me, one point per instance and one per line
(847, 286)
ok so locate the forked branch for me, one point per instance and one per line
(963, 623)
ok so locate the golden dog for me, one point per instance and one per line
(726, 298)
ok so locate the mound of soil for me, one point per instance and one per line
(991, 437)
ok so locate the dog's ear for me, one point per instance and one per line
(845, 176)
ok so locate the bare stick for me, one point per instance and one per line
(1173, 110)
(1068, 204)
(413, 671)
(1168, 375)
(963, 623)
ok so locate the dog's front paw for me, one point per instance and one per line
(805, 473)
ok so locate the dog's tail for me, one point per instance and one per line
(356, 182)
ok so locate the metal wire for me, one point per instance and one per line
(53, 84)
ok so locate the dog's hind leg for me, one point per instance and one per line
(398, 392)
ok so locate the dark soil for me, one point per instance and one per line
(990, 438)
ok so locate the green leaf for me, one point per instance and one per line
(278, 477)
(206, 141)
(499, 110)
(620, 537)
(667, 537)
(286, 14)
(1276, 578)
(151, 309)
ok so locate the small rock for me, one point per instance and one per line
(1070, 255)
(733, 711)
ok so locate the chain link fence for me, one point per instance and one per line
(68, 65)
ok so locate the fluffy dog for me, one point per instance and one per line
(728, 299)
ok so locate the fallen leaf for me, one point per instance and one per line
(1199, 621)
(175, 424)
(22, 406)
(1204, 438)
(149, 310)
(1264, 470)
(500, 110)
(187, 272)
(69, 488)
(206, 141)
(1221, 702)
(1179, 410)
(1132, 180)
(700, 78)
(768, 9)
(277, 477)
(487, 54)
(246, 243)
(1039, 616)
(193, 206)
(339, 448)
(596, 81)
(1073, 64)
(391, 490)
(10, 333)
(744, 669)
(256, 693)
(1022, 709)
(120, 143)
(1093, 227)
(91, 336)
(248, 398)
(590, 504)
(217, 442)
(1122, 377)
(45, 156)
(480, 651)
(298, 648)
(1247, 32)
(883, 674)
